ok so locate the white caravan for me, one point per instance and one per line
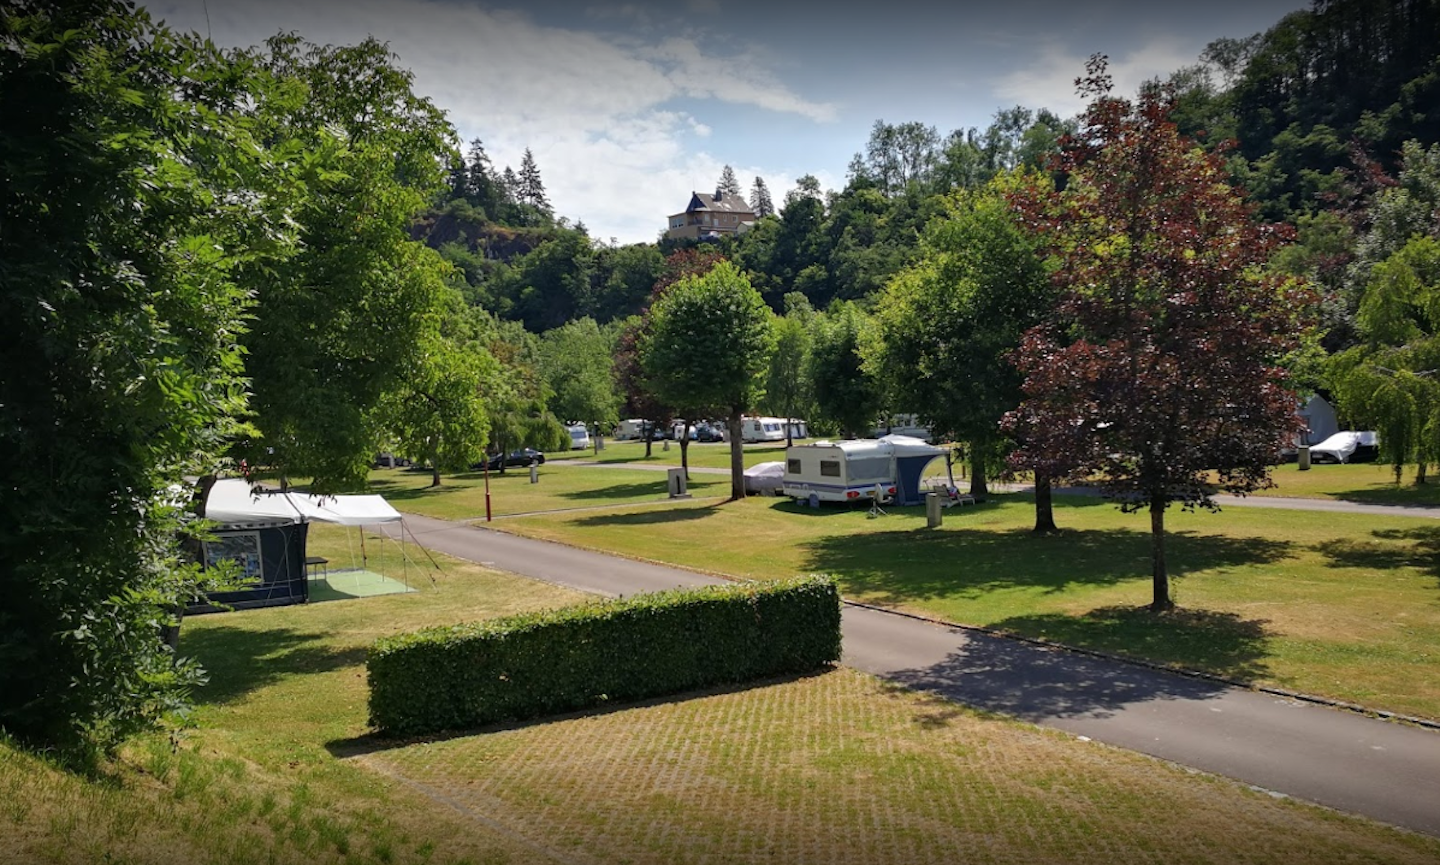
(631, 429)
(762, 429)
(848, 471)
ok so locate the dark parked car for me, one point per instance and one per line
(522, 457)
(708, 433)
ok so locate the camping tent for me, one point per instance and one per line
(265, 532)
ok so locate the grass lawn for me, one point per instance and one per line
(462, 497)
(1346, 606)
(836, 767)
(1368, 483)
(715, 455)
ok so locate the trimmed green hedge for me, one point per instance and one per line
(558, 661)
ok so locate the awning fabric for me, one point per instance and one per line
(231, 502)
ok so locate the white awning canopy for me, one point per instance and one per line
(231, 502)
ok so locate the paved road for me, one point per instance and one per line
(1384, 770)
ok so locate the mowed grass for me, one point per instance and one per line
(462, 497)
(715, 455)
(1345, 606)
(1365, 483)
(835, 767)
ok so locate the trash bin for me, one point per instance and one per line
(1302, 459)
(933, 513)
(679, 487)
(534, 472)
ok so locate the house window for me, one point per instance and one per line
(830, 468)
(793, 467)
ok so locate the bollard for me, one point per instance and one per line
(666, 446)
(1302, 459)
(534, 472)
(679, 487)
(933, 514)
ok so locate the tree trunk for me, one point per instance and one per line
(737, 457)
(1044, 509)
(685, 450)
(649, 440)
(789, 434)
(1158, 575)
(978, 486)
(434, 477)
(1420, 474)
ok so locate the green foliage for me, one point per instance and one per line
(339, 321)
(707, 347)
(614, 651)
(125, 220)
(846, 394)
(577, 362)
(947, 326)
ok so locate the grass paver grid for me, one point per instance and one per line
(841, 768)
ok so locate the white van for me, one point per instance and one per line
(579, 437)
(762, 429)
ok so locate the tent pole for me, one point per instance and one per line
(364, 559)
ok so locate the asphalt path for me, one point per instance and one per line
(1381, 769)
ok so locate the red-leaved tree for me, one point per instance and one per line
(1161, 362)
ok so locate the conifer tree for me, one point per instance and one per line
(532, 190)
(760, 198)
(728, 184)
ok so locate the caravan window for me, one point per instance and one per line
(793, 467)
(772, 427)
(830, 468)
(873, 467)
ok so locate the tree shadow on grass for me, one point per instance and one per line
(239, 661)
(921, 564)
(650, 517)
(371, 743)
(1406, 548)
(1039, 683)
(652, 489)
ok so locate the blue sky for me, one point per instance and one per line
(629, 106)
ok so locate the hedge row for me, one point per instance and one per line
(613, 651)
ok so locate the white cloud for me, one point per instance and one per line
(1048, 81)
(595, 113)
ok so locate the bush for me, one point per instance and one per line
(562, 660)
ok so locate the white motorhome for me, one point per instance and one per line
(762, 429)
(849, 471)
(634, 428)
(579, 437)
(904, 425)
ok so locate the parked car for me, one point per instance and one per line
(765, 478)
(521, 457)
(1344, 447)
(705, 432)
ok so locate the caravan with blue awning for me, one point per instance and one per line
(849, 471)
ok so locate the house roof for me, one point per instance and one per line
(721, 204)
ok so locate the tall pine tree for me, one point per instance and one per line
(532, 190)
(728, 184)
(760, 198)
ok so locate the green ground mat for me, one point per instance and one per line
(340, 585)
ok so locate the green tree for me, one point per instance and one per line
(337, 323)
(728, 183)
(576, 359)
(531, 189)
(846, 395)
(787, 390)
(947, 325)
(760, 198)
(708, 344)
(127, 206)
(1387, 382)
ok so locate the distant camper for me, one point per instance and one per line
(634, 428)
(849, 471)
(579, 437)
(764, 429)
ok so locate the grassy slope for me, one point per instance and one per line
(1341, 605)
